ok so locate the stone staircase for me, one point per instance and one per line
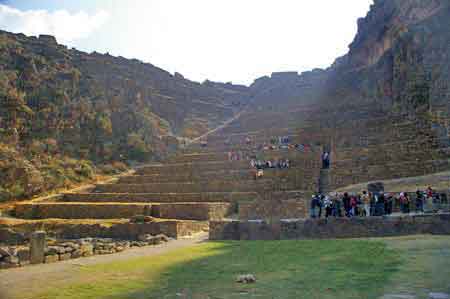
(194, 186)
(199, 184)
(324, 181)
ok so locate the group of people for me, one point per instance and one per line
(276, 143)
(259, 166)
(370, 204)
(280, 164)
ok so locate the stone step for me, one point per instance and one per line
(71, 210)
(191, 167)
(207, 186)
(226, 175)
(179, 197)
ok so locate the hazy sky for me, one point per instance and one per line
(220, 40)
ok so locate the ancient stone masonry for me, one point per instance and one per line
(51, 251)
(330, 228)
(381, 111)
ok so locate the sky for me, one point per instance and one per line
(220, 40)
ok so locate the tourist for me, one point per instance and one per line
(328, 204)
(337, 212)
(372, 203)
(320, 204)
(404, 202)
(353, 206)
(419, 201)
(366, 203)
(314, 205)
(380, 205)
(324, 160)
(389, 204)
(347, 206)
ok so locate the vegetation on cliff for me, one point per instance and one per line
(66, 114)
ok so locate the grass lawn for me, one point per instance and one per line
(284, 269)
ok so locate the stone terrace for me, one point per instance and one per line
(199, 183)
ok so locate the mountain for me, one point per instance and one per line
(60, 104)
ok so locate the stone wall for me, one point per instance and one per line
(199, 211)
(273, 209)
(81, 211)
(295, 183)
(184, 211)
(331, 228)
(123, 230)
(160, 197)
(178, 197)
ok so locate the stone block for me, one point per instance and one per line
(37, 247)
(65, 256)
(51, 258)
(23, 254)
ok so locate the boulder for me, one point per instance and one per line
(51, 258)
(23, 254)
(5, 265)
(65, 257)
(11, 259)
(142, 219)
(76, 254)
(4, 251)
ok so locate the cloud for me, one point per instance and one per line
(66, 27)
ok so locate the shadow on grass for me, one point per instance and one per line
(284, 269)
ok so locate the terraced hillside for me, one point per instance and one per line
(382, 112)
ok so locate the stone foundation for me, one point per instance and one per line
(330, 229)
(197, 211)
(273, 209)
(183, 211)
(81, 210)
(119, 230)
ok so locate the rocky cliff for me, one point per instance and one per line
(60, 104)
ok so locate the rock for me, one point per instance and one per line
(163, 238)
(76, 254)
(87, 249)
(120, 249)
(11, 259)
(65, 257)
(142, 219)
(52, 250)
(4, 251)
(439, 296)
(72, 246)
(51, 258)
(37, 247)
(24, 263)
(23, 254)
(5, 265)
(247, 278)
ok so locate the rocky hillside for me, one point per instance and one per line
(384, 108)
(398, 63)
(64, 112)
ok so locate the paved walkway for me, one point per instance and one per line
(21, 282)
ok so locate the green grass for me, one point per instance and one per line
(284, 269)
(425, 266)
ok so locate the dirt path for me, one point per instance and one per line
(225, 124)
(22, 282)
